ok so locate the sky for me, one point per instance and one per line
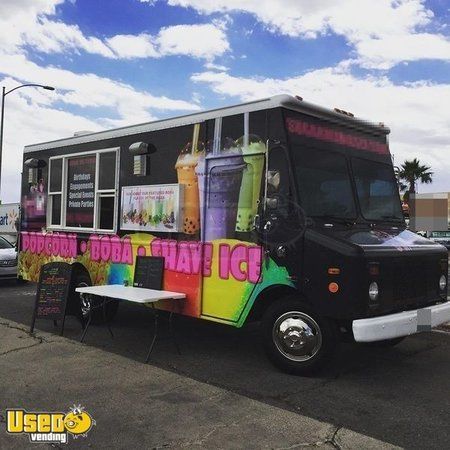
(122, 62)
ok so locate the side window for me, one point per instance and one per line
(323, 182)
(82, 191)
(55, 191)
(106, 194)
(233, 170)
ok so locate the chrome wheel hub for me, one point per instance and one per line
(86, 301)
(297, 336)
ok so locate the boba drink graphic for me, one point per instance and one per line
(221, 177)
(253, 154)
(185, 167)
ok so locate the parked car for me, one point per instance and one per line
(441, 237)
(10, 237)
(8, 260)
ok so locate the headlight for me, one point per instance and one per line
(373, 291)
(442, 283)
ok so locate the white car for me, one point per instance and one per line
(8, 260)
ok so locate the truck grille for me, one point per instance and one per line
(410, 282)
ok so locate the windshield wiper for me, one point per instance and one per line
(337, 219)
(392, 217)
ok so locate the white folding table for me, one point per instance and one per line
(114, 292)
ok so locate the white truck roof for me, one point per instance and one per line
(285, 101)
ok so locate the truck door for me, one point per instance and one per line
(282, 220)
(231, 180)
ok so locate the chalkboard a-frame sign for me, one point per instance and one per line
(52, 293)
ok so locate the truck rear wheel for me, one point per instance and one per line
(87, 301)
(297, 339)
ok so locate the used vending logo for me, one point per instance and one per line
(49, 427)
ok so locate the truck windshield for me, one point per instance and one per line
(324, 184)
(377, 190)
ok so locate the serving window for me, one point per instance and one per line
(83, 191)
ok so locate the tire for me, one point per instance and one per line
(315, 348)
(386, 343)
(84, 302)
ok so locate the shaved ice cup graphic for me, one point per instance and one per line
(220, 178)
(253, 154)
(185, 167)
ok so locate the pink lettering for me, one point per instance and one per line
(55, 245)
(254, 264)
(105, 248)
(40, 243)
(33, 242)
(207, 258)
(94, 240)
(72, 252)
(237, 260)
(224, 261)
(25, 240)
(127, 251)
(327, 134)
(196, 256)
(155, 247)
(169, 252)
(183, 263)
(63, 245)
(116, 249)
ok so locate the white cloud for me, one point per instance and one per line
(204, 41)
(417, 113)
(33, 24)
(30, 119)
(382, 33)
(199, 41)
(57, 37)
(213, 66)
(90, 90)
(133, 46)
(308, 19)
(386, 52)
(35, 115)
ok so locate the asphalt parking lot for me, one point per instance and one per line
(398, 395)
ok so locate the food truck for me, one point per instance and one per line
(277, 211)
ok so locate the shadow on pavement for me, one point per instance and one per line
(392, 394)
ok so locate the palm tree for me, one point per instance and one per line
(411, 172)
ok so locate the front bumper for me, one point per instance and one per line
(8, 272)
(401, 324)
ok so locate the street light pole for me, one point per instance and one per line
(1, 133)
(2, 119)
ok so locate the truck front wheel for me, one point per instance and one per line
(296, 338)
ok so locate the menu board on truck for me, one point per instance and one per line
(80, 191)
(152, 208)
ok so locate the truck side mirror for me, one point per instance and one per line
(272, 203)
(273, 180)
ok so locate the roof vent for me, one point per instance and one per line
(345, 113)
(81, 133)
